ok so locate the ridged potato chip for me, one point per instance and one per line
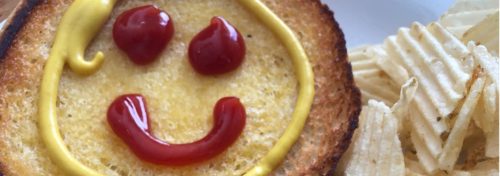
(442, 65)
(487, 164)
(485, 33)
(491, 148)
(456, 137)
(401, 108)
(376, 149)
(448, 111)
(484, 168)
(471, 5)
(372, 81)
(465, 14)
(413, 168)
(486, 117)
(486, 61)
(490, 172)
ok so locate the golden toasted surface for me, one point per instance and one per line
(180, 101)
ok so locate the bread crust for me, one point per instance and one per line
(14, 23)
(335, 110)
(337, 101)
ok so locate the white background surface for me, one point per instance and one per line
(371, 21)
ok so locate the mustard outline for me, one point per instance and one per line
(305, 77)
(81, 22)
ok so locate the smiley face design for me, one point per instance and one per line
(142, 33)
(207, 64)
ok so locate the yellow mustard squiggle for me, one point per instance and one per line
(76, 30)
(304, 73)
(81, 22)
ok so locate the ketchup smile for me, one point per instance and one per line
(128, 117)
(142, 33)
(217, 49)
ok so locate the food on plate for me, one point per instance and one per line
(442, 73)
(376, 148)
(450, 124)
(78, 120)
(455, 140)
(485, 33)
(464, 14)
(486, 115)
(370, 78)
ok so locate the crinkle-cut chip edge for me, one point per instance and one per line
(486, 61)
(454, 142)
(410, 52)
(428, 162)
(464, 14)
(378, 127)
(370, 78)
(484, 33)
(360, 145)
(471, 5)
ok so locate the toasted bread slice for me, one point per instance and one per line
(180, 101)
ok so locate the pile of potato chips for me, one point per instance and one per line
(430, 97)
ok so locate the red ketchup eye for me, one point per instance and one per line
(217, 49)
(128, 117)
(142, 33)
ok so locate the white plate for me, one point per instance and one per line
(371, 21)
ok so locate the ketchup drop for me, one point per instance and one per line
(217, 49)
(128, 117)
(142, 33)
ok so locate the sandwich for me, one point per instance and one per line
(47, 124)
